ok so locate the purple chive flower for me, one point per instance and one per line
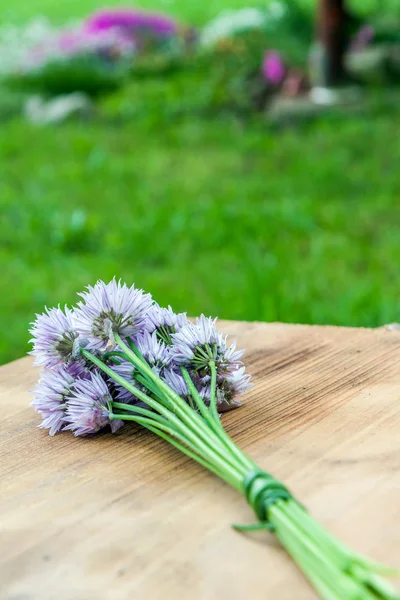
(164, 322)
(155, 352)
(51, 392)
(109, 309)
(132, 20)
(195, 345)
(176, 382)
(128, 371)
(87, 407)
(230, 387)
(55, 339)
(273, 68)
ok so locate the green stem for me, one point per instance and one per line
(199, 459)
(135, 349)
(213, 393)
(308, 528)
(205, 447)
(195, 395)
(154, 390)
(124, 383)
(324, 585)
(131, 408)
(322, 558)
(215, 424)
(180, 430)
(336, 572)
(108, 355)
(308, 524)
(220, 442)
(229, 444)
(181, 408)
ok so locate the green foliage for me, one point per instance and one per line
(165, 55)
(226, 77)
(292, 33)
(387, 32)
(11, 103)
(81, 73)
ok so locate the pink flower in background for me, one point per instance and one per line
(131, 21)
(69, 41)
(273, 68)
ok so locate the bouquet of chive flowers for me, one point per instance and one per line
(118, 356)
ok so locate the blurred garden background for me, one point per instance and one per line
(209, 207)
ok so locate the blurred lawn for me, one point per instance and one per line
(195, 11)
(210, 215)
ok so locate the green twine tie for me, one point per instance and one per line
(262, 491)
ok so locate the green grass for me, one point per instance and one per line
(193, 11)
(212, 215)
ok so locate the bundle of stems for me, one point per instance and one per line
(195, 429)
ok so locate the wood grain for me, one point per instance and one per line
(126, 516)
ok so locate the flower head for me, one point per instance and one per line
(133, 21)
(197, 344)
(273, 68)
(128, 371)
(87, 406)
(230, 387)
(164, 322)
(176, 382)
(155, 352)
(55, 339)
(51, 392)
(109, 309)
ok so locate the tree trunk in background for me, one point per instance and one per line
(331, 27)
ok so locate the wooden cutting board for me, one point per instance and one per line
(127, 516)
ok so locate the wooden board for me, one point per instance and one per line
(126, 516)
